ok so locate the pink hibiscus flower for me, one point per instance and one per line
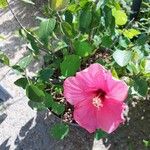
(97, 98)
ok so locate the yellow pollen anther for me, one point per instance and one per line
(97, 102)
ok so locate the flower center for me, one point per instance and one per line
(97, 102)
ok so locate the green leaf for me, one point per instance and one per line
(124, 42)
(120, 17)
(22, 82)
(37, 106)
(32, 44)
(133, 68)
(73, 8)
(146, 143)
(3, 3)
(67, 29)
(83, 49)
(4, 59)
(100, 134)
(29, 2)
(140, 86)
(143, 65)
(58, 108)
(96, 16)
(17, 68)
(58, 4)
(46, 28)
(42, 86)
(85, 19)
(106, 41)
(82, 3)
(61, 45)
(70, 65)
(114, 73)
(25, 61)
(34, 93)
(147, 66)
(22, 33)
(130, 33)
(68, 16)
(59, 131)
(122, 58)
(48, 101)
(108, 18)
(45, 74)
(142, 39)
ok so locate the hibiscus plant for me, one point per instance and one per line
(96, 57)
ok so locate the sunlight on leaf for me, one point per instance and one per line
(130, 33)
(3, 3)
(120, 17)
(4, 59)
(46, 28)
(59, 4)
(25, 61)
(122, 58)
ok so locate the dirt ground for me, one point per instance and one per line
(24, 129)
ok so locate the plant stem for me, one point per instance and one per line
(24, 27)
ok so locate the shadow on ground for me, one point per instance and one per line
(35, 133)
(13, 45)
(5, 145)
(38, 136)
(8, 24)
(2, 117)
(131, 135)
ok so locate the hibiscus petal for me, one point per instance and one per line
(117, 89)
(84, 85)
(74, 91)
(85, 115)
(94, 77)
(110, 115)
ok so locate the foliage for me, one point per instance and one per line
(59, 131)
(71, 33)
(100, 134)
(146, 143)
(3, 4)
(4, 59)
